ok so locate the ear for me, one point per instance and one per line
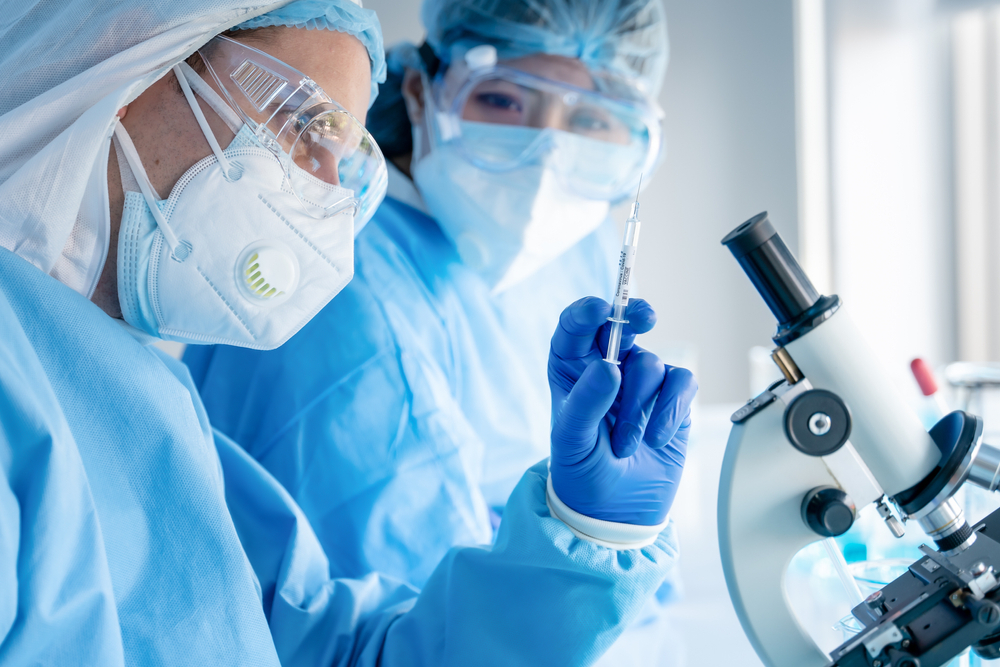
(122, 112)
(413, 95)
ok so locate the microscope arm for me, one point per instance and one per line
(764, 481)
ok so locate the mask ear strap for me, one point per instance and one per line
(132, 156)
(203, 124)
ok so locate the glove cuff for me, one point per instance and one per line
(611, 534)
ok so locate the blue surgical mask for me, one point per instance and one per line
(505, 224)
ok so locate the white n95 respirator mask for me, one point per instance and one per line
(230, 256)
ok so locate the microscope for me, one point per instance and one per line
(806, 455)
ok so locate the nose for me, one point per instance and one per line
(549, 115)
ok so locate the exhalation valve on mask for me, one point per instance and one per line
(267, 273)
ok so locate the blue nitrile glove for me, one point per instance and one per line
(619, 437)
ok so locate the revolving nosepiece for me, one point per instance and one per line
(772, 269)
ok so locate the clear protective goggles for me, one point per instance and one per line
(599, 141)
(317, 141)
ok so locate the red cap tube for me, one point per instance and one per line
(924, 376)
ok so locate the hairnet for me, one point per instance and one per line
(625, 37)
(341, 15)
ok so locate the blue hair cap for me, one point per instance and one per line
(340, 15)
(627, 38)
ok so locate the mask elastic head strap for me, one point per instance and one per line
(212, 98)
(203, 122)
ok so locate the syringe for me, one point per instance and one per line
(626, 262)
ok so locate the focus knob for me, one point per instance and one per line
(828, 511)
(817, 422)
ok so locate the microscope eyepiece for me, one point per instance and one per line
(771, 268)
(779, 279)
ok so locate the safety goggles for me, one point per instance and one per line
(317, 141)
(600, 141)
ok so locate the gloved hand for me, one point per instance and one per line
(619, 437)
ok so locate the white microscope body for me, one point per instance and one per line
(808, 453)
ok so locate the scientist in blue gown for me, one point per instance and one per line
(509, 132)
(148, 192)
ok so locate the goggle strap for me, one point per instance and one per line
(202, 121)
(135, 162)
(431, 62)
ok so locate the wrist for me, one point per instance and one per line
(611, 534)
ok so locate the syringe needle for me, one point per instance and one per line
(626, 264)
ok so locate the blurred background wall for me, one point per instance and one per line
(891, 205)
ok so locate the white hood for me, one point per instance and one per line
(66, 67)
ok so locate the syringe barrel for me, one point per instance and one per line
(626, 264)
(614, 343)
(632, 226)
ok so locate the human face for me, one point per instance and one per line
(169, 141)
(596, 129)
(593, 128)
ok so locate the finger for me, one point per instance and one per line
(641, 318)
(676, 450)
(672, 408)
(642, 377)
(574, 433)
(640, 315)
(578, 324)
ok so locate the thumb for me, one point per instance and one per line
(574, 433)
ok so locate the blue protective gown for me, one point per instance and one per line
(130, 535)
(446, 381)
